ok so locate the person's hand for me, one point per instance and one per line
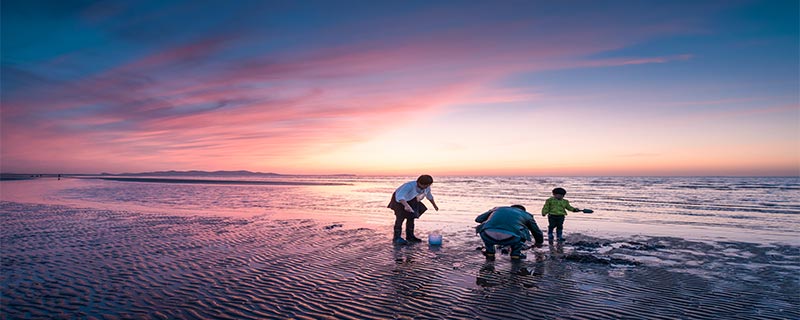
(436, 207)
(576, 210)
(408, 208)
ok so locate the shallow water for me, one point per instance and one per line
(765, 209)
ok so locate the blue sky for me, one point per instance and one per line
(512, 87)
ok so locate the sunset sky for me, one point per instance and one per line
(402, 87)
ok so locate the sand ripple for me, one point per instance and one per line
(60, 262)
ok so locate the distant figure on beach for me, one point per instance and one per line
(407, 205)
(59, 177)
(507, 226)
(555, 208)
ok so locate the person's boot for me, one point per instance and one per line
(560, 235)
(400, 241)
(518, 256)
(397, 232)
(489, 252)
(410, 236)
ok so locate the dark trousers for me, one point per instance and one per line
(398, 226)
(400, 214)
(555, 222)
(514, 242)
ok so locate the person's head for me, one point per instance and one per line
(424, 181)
(559, 193)
(519, 206)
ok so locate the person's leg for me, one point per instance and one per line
(398, 226)
(516, 250)
(410, 231)
(515, 243)
(551, 224)
(488, 243)
(560, 228)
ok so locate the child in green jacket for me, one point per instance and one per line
(555, 208)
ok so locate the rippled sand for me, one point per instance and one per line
(65, 262)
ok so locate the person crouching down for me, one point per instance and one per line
(507, 226)
(407, 205)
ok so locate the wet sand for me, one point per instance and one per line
(62, 262)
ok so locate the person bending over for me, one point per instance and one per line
(507, 226)
(407, 205)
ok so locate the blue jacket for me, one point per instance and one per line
(510, 219)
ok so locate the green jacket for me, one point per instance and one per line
(557, 207)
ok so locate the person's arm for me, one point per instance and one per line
(429, 195)
(434, 205)
(402, 193)
(485, 216)
(535, 231)
(569, 207)
(406, 206)
(546, 207)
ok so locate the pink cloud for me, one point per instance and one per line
(633, 61)
(287, 106)
(681, 57)
(191, 52)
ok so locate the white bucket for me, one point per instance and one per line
(435, 239)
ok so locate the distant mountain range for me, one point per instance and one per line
(173, 173)
(195, 173)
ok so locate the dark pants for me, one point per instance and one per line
(400, 214)
(398, 226)
(515, 242)
(555, 222)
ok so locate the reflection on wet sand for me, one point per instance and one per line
(79, 263)
(524, 273)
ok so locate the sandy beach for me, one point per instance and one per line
(64, 262)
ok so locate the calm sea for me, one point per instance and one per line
(751, 209)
